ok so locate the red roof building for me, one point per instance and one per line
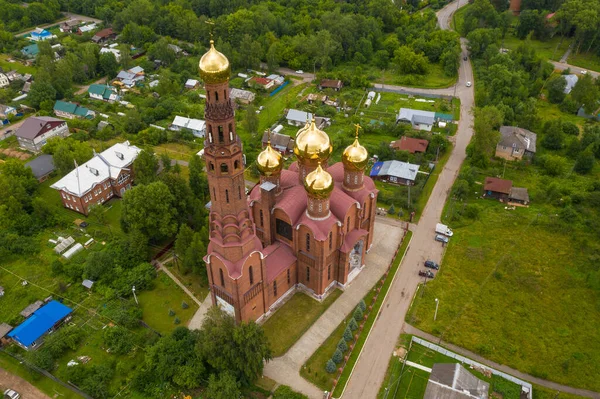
(331, 84)
(410, 144)
(104, 35)
(497, 188)
(262, 82)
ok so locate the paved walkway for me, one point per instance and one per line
(567, 53)
(508, 370)
(285, 369)
(369, 372)
(417, 366)
(196, 321)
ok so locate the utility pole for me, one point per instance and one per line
(408, 204)
(134, 296)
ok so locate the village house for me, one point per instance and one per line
(296, 117)
(277, 79)
(4, 330)
(396, 172)
(283, 143)
(112, 50)
(103, 92)
(315, 97)
(67, 26)
(14, 75)
(243, 96)
(4, 82)
(130, 77)
(71, 110)
(6, 111)
(262, 83)
(191, 84)
(196, 126)
(30, 334)
(86, 28)
(104, 35)
(516, 143)
(103, 177)
(571, 82)
(37, 130)
(42, 167)
(504, 191)
(30, 51)
(419, 120)
(410, 144)
(39, 35)
(331, 84)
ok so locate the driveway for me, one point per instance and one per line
(68, 16)
(27, 391)
(369, 371)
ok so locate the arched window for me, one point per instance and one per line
(307, 274)
(225, 94)
(230, 128)
(307, 242)
(224, 168)
(236, 164)
(222, 278)
(216, 96)
(212, 166)
(288, 277)
(227, 196)
(275, 288)
(261, 218)
(328, 272)
(239, 192)
(348, 224)
(330, 240)
(251, 275)
(220, 129)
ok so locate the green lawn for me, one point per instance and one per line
(458, 19)
(292, 320)
(585, 60)
(193, 282)
(514, 286)
(17, 66)
(434, 78)
(552, 49)
(177, 151)
(156, 303)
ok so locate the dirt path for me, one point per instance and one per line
(16, 383)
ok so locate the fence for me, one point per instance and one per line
(47, 374)
(468, 361)
(277, 90)
(415, 92)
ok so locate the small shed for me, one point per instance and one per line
(87, 284)
(30, 309)
(4, 330)
(518, 196)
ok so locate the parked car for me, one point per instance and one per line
(469, 84)
(300, 71)
(465, 58)
(10, 394)
(426, 273)
(441, 238)
(432, 265)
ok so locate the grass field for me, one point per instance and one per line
(552, 49)
(585, 60)
(192, 281)
(458, 18)
(513, 287)
(292, 320)
(17, 66)
(178, 151)
(164, 296)
(434, 78)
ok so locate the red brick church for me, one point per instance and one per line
(305, 228)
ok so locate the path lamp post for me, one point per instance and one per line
(134, 296)
(437, 303)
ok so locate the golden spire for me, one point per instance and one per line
(214, 66)
(355, 156)
(269, 162)
(312, 143)
(319, 183)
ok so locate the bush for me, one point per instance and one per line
(184, 305)
(585, 162)
(285, 392)
(171, 312)
(177, 321)
(337, 357)
(570, 128)
(330, 367)
(342, 345)
(362, 305)
(392, 210)
(353, 325)
(358, 314)
(348, 334)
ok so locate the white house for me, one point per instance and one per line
(36, 131)
(571, 82)
(191, 84)
(6, 110)
(419, 120)
(103, 92)
(114, 51)
(197, 126)
(4, 82)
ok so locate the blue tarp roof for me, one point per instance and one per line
(39, 323)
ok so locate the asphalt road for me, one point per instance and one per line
(369, 372)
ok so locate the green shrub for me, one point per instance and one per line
(337, 357)
(358, 314)
(177, 321)
(184, 305)
(353, 325)
(348, 334)
(171, 312)
(342, 345)
(392, 210)
(362, 305)
(330, 367)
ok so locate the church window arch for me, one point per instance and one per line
(224, 168)
(227, 196)
(221, 137)
(307, 242)
(330, 240)
(251, 275)
(261, 218)
(236, 164)
(222, 278)
(216, 96)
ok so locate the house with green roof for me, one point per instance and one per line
(103, 92)
(30, 51)
(71, 110)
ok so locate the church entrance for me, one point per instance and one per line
(356, 255)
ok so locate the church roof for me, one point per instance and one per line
(293, 202)
(352, 238)
(319, 228)
(278, 257)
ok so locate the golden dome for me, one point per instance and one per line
(319, 183)
(355, 156)
(312, 143)
(269, 161)
(214, 66)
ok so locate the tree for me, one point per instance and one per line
(41, 92)
(330, 367)
(153, 199)
(487, 120)
(98, 264)
(585, 162)
(193, 256)
(569, 128)
(410, 62)
(222, 387)
(108, 65)
(66, 152)
(358, 314)
(362, 305)
(118, 339)
(348, 333)
(197, 179)
(553, 135)
(165, 160)
(556, 90)
(586, 93)
(184, 240)
(337, 357)
(342, 345)
(145, 167)
(250, 120)
(240, 349)
(132, 121)
(353, 325)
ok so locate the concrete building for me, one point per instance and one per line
(35, 132)
(107, 175)
(305, 228)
